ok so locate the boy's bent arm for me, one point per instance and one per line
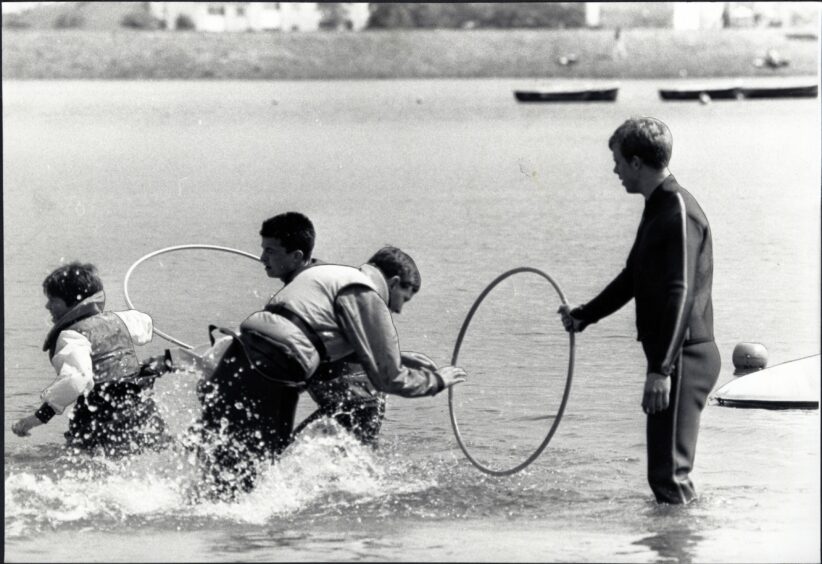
(367, 325)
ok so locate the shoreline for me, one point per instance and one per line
(402, 54)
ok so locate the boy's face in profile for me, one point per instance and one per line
(279, 262)
(57, 307)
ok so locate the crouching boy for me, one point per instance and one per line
(92, 351)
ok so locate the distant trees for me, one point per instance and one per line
(333, 15)
(14, 21)
(477, 15)
(140, 19)
(69, 20)
(184, 22)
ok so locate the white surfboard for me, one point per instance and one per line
(790, 385)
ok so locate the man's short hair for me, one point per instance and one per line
(393, 262)
(294, 231)
(73, 283)
(644, 137)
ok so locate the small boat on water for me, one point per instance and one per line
(739, 92)
(790, 385)
(787, 91)
(582, 94)
(700, 92)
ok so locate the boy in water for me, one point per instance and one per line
(325, 315)
(92, 351)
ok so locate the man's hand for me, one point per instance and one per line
(417, 360)
(657, 393)
(24, 425)
(452, 375)
(571, 323)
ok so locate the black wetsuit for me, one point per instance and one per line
(246, 418)
(669, 273)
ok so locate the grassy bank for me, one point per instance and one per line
(72, 54)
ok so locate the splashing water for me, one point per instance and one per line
(325, 469)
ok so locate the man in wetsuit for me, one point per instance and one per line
(668, 273)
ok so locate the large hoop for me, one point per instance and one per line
(170, 250)
(565, 394)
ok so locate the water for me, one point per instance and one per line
(471, 184)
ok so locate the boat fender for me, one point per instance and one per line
(749, 357)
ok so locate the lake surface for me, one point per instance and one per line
(471, 184)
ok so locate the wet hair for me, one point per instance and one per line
(73, 283)
(644, 137)
(393, 262)
(293, 230)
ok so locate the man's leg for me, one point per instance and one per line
(672, 434)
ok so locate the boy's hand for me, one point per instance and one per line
(24, 425)
(452, 375)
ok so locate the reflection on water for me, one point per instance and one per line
(675, 541)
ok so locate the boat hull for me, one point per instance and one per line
(811, 91)
(790, 385)
(731, 93)
(587, 95)
(740, 92)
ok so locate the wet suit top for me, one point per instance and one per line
(668, 272)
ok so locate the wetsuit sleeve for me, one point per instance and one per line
(683, 239)
(75, 376)
(366, 322)
(615, 295)
(139, 325)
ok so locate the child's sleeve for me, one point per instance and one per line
(139, 324)
(75, 375)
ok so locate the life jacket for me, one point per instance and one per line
(113, 356)
(298, 329)
(312, 296)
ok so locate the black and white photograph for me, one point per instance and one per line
(412, 282)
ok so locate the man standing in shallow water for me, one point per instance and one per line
(668, 273)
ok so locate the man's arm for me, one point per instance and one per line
(615, 295)
(683, 240)
(366, 322)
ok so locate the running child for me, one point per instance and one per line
(92, 351)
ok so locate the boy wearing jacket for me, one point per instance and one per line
(92, 351)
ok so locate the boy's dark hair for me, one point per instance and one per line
(645, 137)
(293, 230)
(73, 282)
(393, 262)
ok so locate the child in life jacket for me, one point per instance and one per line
(92, 351)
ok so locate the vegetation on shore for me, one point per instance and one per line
(535, 53)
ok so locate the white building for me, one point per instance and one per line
(698, 15)
(255, 16)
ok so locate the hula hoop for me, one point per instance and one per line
(565, 394)
(170, 250)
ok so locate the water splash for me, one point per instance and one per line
(325, 470)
